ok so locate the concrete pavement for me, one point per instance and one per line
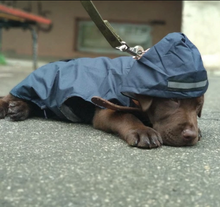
(51, 163)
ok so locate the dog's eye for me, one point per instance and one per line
(175, 100)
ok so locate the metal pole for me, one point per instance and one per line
(0, 40)
(35, 47)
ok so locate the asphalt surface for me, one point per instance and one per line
(51, 163)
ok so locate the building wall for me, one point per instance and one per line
(60, 40)
(201, 20)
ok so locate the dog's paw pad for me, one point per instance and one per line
(144, 138)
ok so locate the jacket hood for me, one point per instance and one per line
(172, 68)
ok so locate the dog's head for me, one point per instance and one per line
(174, 119)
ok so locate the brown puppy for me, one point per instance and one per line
(174, 121)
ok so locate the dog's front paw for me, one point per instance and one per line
(18, 110)
(144, 137)
(3, 109)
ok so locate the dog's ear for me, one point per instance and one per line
(200, 111)
(145, 101)
(201, 103)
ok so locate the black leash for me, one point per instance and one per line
(108, 31)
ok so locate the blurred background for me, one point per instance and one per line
(72, 33)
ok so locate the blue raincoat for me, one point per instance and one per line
(172, 68)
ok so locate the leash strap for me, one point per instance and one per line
(109, 105)
(108, 31)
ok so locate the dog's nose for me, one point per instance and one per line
(189, 134)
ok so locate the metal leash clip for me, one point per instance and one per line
(109, 33)
(135, 51)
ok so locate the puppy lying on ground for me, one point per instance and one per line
(148, 102)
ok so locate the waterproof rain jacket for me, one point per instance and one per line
(172, 68)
